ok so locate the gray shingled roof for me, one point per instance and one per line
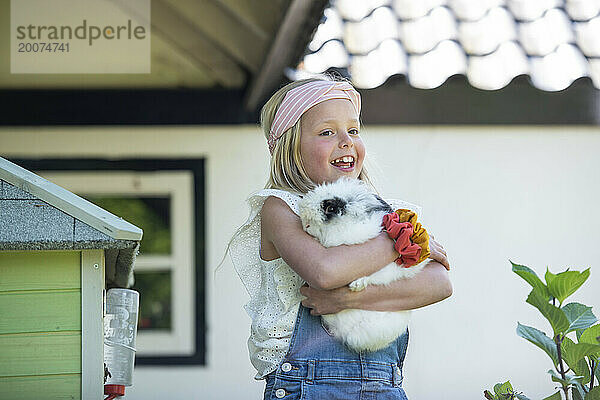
(48, 217)
(554, 42)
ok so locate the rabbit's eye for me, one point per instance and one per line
(332, 207)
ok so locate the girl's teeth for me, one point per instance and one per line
(346, 159)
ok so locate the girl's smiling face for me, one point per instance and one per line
(330, 145)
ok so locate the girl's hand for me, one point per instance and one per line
(323, 302)
(438, 253)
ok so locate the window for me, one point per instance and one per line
(166, 201)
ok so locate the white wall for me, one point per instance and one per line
(529, 194)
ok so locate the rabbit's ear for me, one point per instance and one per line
(384, 206)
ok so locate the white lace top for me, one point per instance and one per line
(272, 285)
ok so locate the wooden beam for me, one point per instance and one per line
(124, 107)
(92, 327)
(219, 25)
(252, 13)
(176, 29)
(300, 21)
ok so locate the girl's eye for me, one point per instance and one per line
(353, 131)
(326, 133)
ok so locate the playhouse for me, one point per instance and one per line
(58, 255)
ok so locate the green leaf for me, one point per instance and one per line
(555, 396)
(577, 391)
(593, 394)
(580, 316)
(582, 368)
(539, 339)
(530, 277)
(503, 388)
(549, 276)
(570, 379)
(570, 353)
(564, 284)
(555, 376)
(521, 397)
(587, 349)
(557, 318)
(590, 335)
(573, 352)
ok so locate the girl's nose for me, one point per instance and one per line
(346, 141)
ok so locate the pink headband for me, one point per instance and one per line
(298, 100)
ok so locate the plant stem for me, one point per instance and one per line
(561, 368)
(592, 369)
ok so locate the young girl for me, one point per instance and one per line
(312, 129)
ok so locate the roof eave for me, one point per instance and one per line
(77, 207)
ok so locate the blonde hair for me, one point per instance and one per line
(287, 167)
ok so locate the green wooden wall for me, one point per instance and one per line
(40, 325)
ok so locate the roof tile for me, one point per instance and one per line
(496, 70)
(530, 10)
(332, 54)
(356, 10)
(332, 28)
(410, 9)
(374, 68)
(490, 41)
(430, 70)
(594, 71)
(34, 222)
(486, 34)
(545, 34)
(473, 10)
(423, 34)
(588, 37)
(14, 193)
(559, 69)
(364, 36)
(582, 10)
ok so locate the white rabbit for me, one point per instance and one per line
(347, 212)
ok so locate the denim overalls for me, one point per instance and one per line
(318, 366)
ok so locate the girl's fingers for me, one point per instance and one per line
(444, 262)
(435, 246)
(432, 241)
(306, 303)
(438, 254)
(442, 259)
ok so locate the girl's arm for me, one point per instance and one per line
(429, 286)
(323, 268)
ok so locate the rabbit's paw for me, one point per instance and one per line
(358, 284)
